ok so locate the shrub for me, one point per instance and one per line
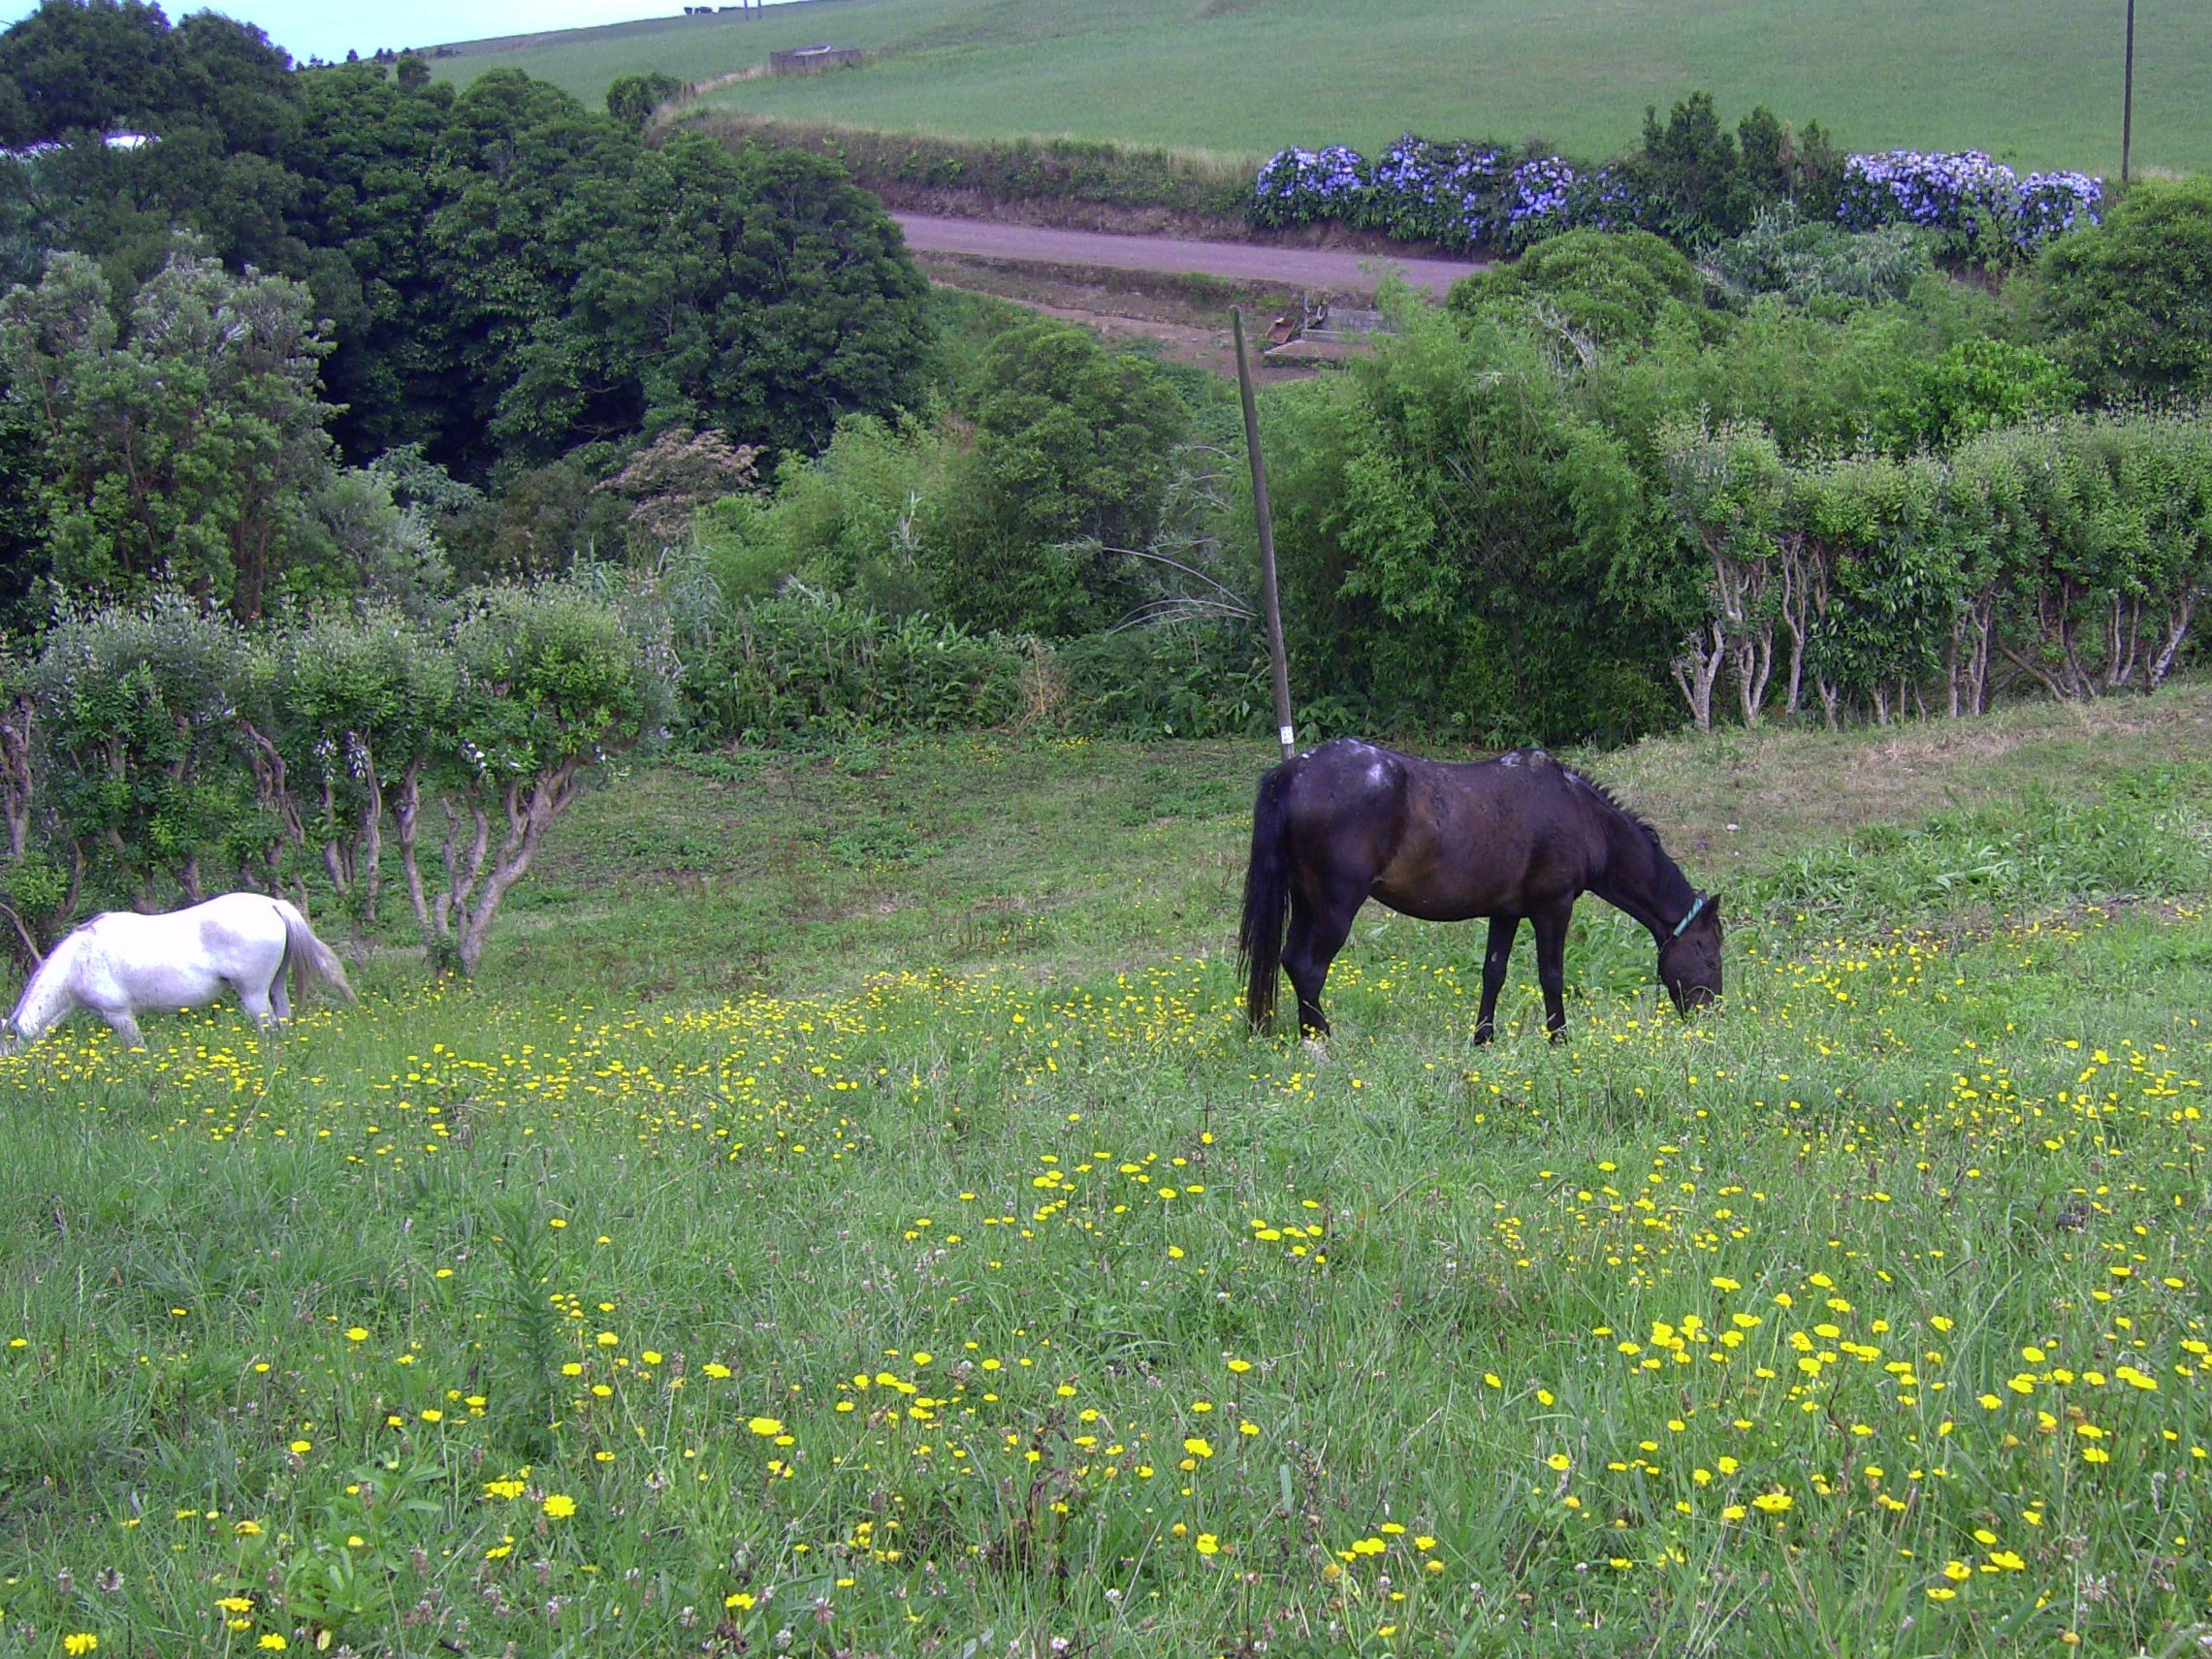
(805, 668)
(1820, 267)
(1073, 459)
(1981, 206)
(1609, 285)
(2129, 302)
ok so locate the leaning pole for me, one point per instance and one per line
(1270, 601)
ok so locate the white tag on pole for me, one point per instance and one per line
(1289, 742)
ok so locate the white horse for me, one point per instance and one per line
(119, 963)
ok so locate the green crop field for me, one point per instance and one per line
(2036, 84)
(847, 1216)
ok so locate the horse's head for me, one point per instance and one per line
(1690, 961)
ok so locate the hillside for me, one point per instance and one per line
(2037, 85)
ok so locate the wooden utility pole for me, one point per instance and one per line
(1270, 601)
(2127, 96)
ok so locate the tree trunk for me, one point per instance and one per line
(1697, 668)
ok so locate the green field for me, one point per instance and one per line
(848, 1206)
(2035, 85)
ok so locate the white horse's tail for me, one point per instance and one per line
(303, 951)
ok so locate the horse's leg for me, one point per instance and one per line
(280, 998)
(254, 999)
(1317, 932)
(124, 1025)
(1551, 929)
(1495, 956)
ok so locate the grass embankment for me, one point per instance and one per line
(971, 1279)
(2036, 84)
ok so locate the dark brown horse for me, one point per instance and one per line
(1517, 836)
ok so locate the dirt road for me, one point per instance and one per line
(1252, 262)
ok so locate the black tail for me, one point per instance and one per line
(1267, 899)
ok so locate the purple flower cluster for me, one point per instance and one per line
(1299, 186)
(1435, 192)
(1964, 193)
(2051, 203)
(1457, 195)
(1479, 195)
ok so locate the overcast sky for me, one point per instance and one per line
(318, 28)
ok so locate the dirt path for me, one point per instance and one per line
(1249, 262)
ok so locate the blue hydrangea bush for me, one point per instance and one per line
(1306, 186)
(1982, 206)
(1464, 196)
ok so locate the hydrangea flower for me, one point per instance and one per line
(1964, 192)
(1299, 186)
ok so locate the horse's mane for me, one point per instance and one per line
(1613, 801)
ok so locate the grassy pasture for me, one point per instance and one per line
(909, 1251)
(2037, 84)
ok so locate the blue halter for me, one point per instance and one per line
(1691, 917)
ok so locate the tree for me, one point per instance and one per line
(1691, 175)
(1464, 548)
(2129, 302)
(760, 293)
(632, 99)
(184, 450)
(555, 679)
(135, 718)
(1726, 487)
(1072, 458)
(667, 482)
(355, 710)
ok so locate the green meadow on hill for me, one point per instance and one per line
(2037, 85)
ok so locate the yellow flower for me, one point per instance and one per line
(560, 1506)
(742, 1602)
(767, 1428)
(1198, 1447)
(1559, 1461)
(356, 1334)
(1772, 1503)
(274, 1643)
(716, 1372)
(1208, 1544)
(247, 1529)
(83, 1642)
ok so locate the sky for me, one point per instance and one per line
(319, 28)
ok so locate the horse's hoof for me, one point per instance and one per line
(1317, 1044)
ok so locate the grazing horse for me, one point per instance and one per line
(120, 963)
(1517, 836)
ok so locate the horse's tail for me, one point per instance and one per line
(303, 951)
(1267, 898)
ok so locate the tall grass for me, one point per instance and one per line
(1028, 1305)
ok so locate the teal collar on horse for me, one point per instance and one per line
(1691, 917)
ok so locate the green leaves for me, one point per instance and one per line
(2130, 302)
(180, 450)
